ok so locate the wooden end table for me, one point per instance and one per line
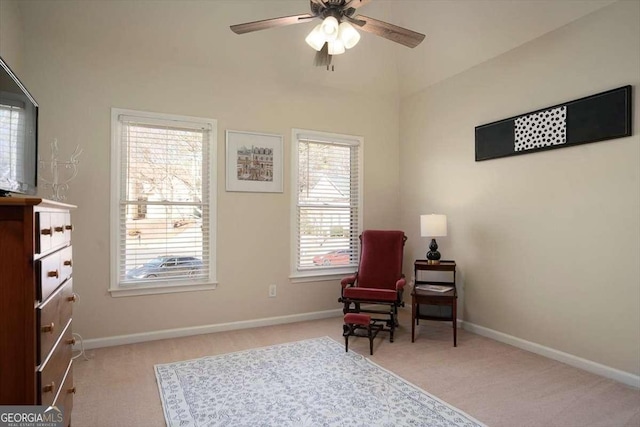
(434, 298)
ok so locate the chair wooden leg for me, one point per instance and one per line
(346, 331)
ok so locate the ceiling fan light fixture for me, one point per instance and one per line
(330, 28)
(348, 35)
(316, 38)
(336, 47)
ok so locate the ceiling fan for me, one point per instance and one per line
(337, 31)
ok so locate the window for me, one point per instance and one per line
(327, 203)
(13, 128)
(163, 203)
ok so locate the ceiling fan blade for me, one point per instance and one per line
(392, 32)
(355, 4)
(249, 27)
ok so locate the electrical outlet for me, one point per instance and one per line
(272, 291)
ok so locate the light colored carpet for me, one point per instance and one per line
(497, 384)
(303, 383)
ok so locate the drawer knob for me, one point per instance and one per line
(58, 229)
(68, 263)
(53, 273)
(48, 328)
(71, 341)
(68, 227)
(49, 387)
(73, 298)
(46, 231)
(72, 390)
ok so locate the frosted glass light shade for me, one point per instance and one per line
(348, 35)
(336, 47)
(330, 28)
(316, 38)
(433, 225)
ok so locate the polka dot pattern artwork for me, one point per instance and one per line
(594, 118)
(542, 129)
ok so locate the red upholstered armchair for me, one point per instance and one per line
(379, 279)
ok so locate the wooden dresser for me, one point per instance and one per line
(36, 300)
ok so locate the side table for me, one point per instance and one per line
(448, 299)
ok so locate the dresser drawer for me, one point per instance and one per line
(53, 315)
(64, 399)
(66, 263)
(49, 275)
(68, 227)
(53, 230)
(58, 223)
(51, 374)
(44, 232)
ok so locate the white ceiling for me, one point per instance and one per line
(460, 34)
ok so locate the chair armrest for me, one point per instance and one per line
(349, 280)
(400, 284)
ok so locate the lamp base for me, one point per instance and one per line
(433, 256)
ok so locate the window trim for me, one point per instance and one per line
(117, 290)
(330, 273)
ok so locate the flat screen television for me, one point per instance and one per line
(18, 135)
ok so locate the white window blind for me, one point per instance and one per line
(164, 203)
(328, 202)
(12, 130)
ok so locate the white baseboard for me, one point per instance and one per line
(578, 362)
(205, 329)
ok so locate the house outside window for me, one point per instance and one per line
(327, 203)
(163, 203)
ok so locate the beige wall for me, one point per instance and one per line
(77, 79)
(11, 35)
(548, 244)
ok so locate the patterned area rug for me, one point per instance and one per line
(304, 383)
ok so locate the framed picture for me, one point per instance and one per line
(254, 162)
(600, 117)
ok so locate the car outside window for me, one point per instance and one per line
(163, 203)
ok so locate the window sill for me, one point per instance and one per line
(321, 276)
(138, 290)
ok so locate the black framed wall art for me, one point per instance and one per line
(599, 117)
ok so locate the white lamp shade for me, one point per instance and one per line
(348, 35)
(330, 28)
(336, 47)
(433, 225)
(316, 38)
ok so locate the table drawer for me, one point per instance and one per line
(53, 315)
(433, 311)
(51, 374)
(49, 275)
(435, 301)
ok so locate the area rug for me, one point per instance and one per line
(305, 383)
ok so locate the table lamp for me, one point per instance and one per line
(433, 226)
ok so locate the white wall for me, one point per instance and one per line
(11, 35)
(548, 244)
(78, 77)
